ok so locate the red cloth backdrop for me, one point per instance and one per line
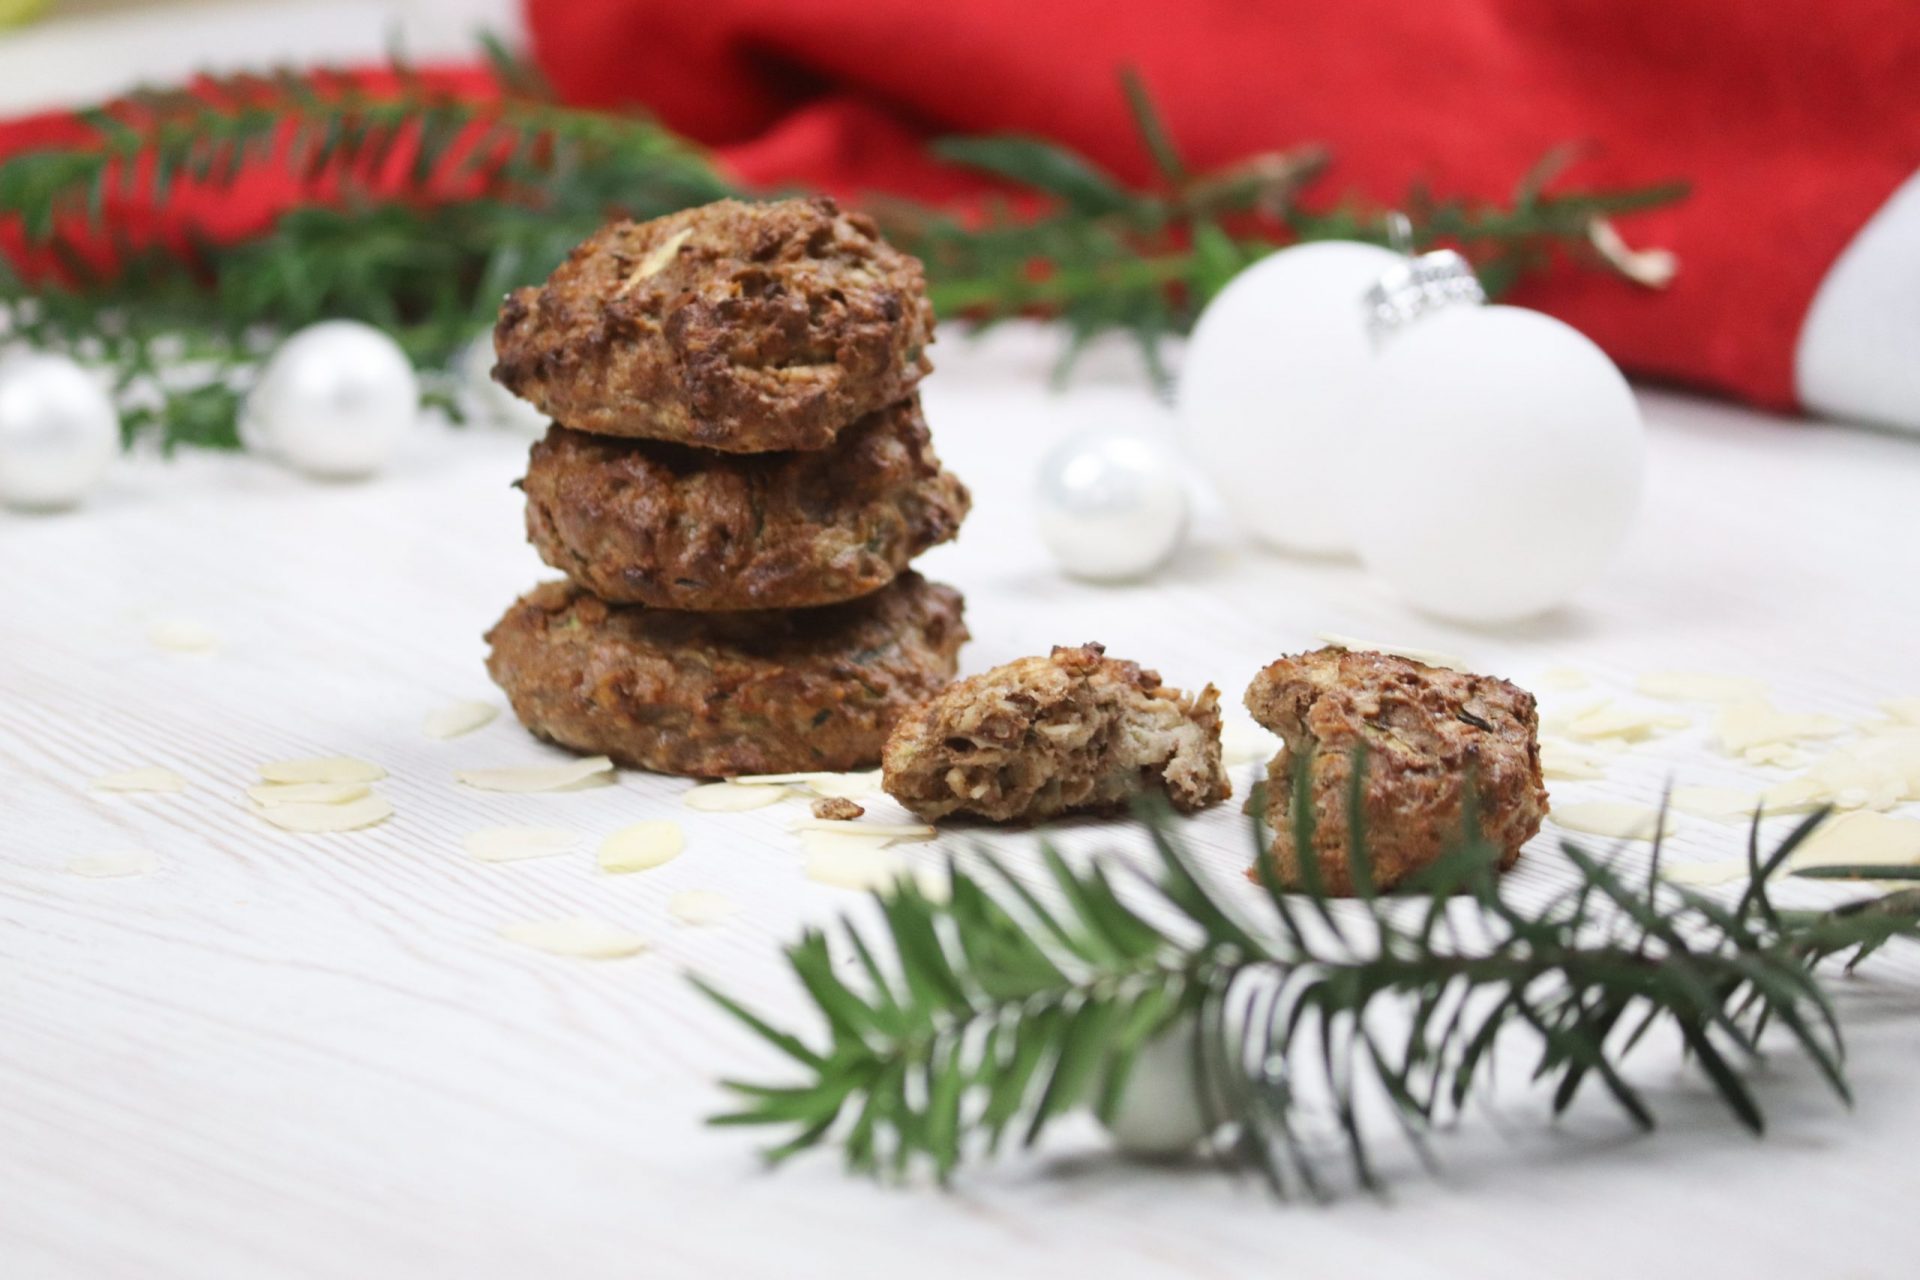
(1793, 119)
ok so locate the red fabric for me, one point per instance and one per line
(1793, 119)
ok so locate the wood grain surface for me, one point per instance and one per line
(313, 1056)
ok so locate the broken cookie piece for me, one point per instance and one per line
(837, 809)
(1431, 736)
(1075, 731)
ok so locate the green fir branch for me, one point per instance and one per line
(996, 1011)
(492, 195)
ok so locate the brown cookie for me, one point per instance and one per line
(1431, 736)
(1075, 731)
(733, 326)
(647, 523)
(711, 695)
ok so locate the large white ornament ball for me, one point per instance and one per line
(1163, 1110)
(1505, 463)
(1112, 504)
(334, 401)
(486, 401)
(59, 432)
(1269, 392)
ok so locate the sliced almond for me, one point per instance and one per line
(789, 779)
(322, 769)
(1243, 743)
(1699, 686)
(844, 837)
(513, 844)
(1741, 726)
(576, 774)
(1629, 724)
(700, 906)
(729, 797)
(154, 779)
(642, 846)
(656, 262)
(860, 865)
(1614, 819)
(1864, 839)
(1562, 679)
(1905, 710)
(583, 936)
(845, 786)
(457, 718)
(177, 636)
(1722, 804)
(1556, 719)
(320, 819)
(1777, 755)
(882, 830)
(272, 793)
(1571, 762)
(117, 862)
(1431, 657)
(1703, 875)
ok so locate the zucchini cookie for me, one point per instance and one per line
(639, 522)
(1431, 735)
(733, 326)
(710, 695)
(1075, 731)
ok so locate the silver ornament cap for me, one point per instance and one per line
(1419, 285)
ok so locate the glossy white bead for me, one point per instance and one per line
(1162, 1112)
(1112, 504)
(59, 431)
(1505, 463)
(334, 401)
(486, 402)
(1269, 392)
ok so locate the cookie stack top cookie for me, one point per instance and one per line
(736, 481)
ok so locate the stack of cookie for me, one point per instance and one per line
(737, 478)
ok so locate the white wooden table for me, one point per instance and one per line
(314, 1057)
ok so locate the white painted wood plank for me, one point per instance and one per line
(313, 1056)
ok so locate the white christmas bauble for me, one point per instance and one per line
(59, 431)
(1268, 392)
(1505, 459)
(1163, 1111)
(333, 401)
(1112, 504)
(484, 400)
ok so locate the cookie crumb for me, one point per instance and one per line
(837, 809)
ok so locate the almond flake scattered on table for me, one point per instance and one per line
(732, 797)
(700, 907)
(153, 780)
(1563, 679)
(845, 786)
(117, 862)
(1615, 819)
(642, 846)
(1777, 755)
(1629, 724)
(272, 793)
(321, 769)
(1743, 725)
(320, 819)
(863, 865)
(1700, 686)
(1703, 875)
(1431, 657)
(1877, 773)
(843, 838)
(870, 830)
(1555, 719)
(515, 844)
(1866, 839)
(1721, 804)
(458, 718)
(1571, 762)
(529, 779)
(583, 936)
(176, 636)
(1243, 742)
(1905, 710)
